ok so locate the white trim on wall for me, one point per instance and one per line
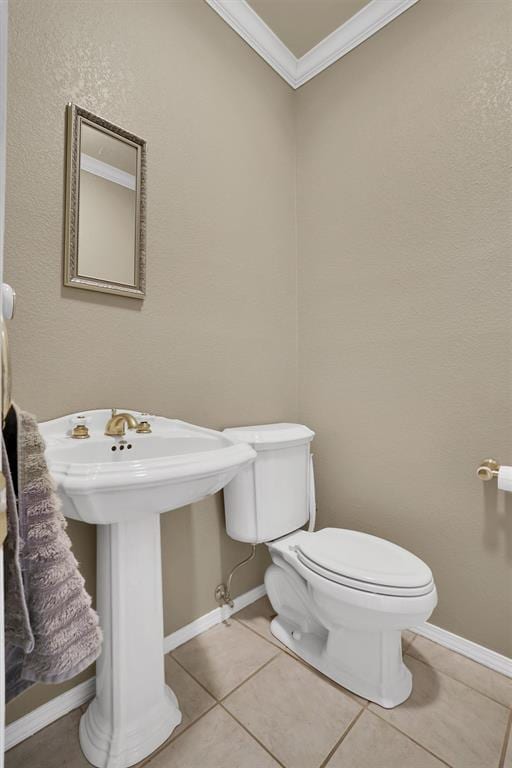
(473, 651)
(297, 71)
(210, 619)
(107, 171)
(39, 718)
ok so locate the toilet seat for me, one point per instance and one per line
(364, 562)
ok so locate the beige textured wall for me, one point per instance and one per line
(215, 341)
(405, 325)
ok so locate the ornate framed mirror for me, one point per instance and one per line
(105, 238)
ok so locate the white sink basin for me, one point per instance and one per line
(123, 485)
(103, 481)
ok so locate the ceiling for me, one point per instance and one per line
(301, 24)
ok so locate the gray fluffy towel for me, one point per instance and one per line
(63, 635)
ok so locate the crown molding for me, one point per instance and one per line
(246, 22)
(352, 33)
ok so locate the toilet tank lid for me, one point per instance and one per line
(271, 435)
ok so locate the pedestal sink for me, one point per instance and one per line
(123, 484)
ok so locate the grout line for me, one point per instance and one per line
(250, 677)
(147, 760)
(457, 680)
(503, 754)
(172, 738)
(252, 735)
(304, 663)
(217, 700)
(280, 647)
(221, 701)
(349, 694)
(407, 645)
(337, 686)
(195, 679)
(342, 737)
(364, 707)
(418, 743)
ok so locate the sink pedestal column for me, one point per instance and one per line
(134, 711)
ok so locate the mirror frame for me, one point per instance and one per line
(75, 117)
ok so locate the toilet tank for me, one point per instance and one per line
(270, 497)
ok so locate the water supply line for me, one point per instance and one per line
(312, 496)
(223, 591)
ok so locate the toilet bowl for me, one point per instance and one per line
(348, 628)
(342, 597)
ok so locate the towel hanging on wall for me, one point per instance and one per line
(63, 635)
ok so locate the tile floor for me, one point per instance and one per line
(248, 703)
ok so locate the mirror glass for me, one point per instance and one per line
(105, 223)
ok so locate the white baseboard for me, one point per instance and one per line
(39, 718)
(210, 619)
(473, 651)
(46, 714)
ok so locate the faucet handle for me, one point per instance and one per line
(113, 412)
(144, 425)
(80, 426)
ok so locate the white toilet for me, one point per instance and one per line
(342, 597)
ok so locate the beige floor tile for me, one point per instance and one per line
(193, 700)
(298, 716)
(257, 617)
(454, 722)
(215, 741)
(58, 739)
(372, 743)
(362, 702)
(475, 675)
(224, 657)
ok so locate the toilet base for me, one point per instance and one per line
(386, 681)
